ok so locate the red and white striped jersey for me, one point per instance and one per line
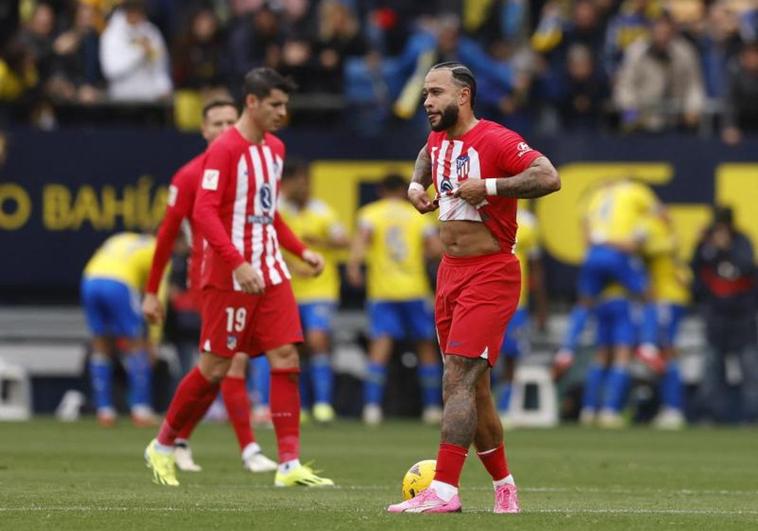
(488, 150)
(235, 209)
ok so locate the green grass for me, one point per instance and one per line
(78, 476)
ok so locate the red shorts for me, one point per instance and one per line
(476, 298)
(234, 321)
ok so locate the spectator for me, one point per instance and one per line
(741, 104)
(338, 37)
(660, 84)
(37, 37)
(629, 25)
(133, 56)
(725, 286)
(76, 72)
(257, 40)
(718, 44)
(198, 55)
(18, 72)
(578, 90)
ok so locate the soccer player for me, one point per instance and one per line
(478, 168)
(669, 279)
(218, 116)
(607, 380)
(247, 303)
(316, 224)
(615, 229)
(516, 340)
(393, 240)
(110, 291)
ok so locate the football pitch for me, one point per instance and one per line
(78, 476)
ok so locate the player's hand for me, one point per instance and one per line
(249, 279)
(315, 260)
(152, 308)
(472, 191)
(420, 200)
(562, 362)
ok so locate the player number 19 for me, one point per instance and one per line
(235, 319)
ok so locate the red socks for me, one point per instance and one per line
(285, 412)
(237, 404)
(190, 402)
(450, 460)
(495, 462)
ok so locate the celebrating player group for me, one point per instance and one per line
(242, 284)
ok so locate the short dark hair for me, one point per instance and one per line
(462, 75)
(294, 167)
(394, 182)
(215, 103)
(261, 81)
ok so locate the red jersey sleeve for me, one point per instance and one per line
(178, 207)
(286, 237)
(514, 155)
(213, 185)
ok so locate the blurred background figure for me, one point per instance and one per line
(133, 56)
(393, 240)
(111, 290)
(725, 289)
(316, 224)
(660, 84)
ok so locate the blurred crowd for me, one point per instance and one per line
(542, 65)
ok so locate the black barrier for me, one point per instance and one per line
(62, 193)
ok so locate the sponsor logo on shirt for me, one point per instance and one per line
(210, 180)
(263, 220)
(266, 196)
(173, 193)
(523, 148)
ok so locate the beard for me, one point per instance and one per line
(448, 118)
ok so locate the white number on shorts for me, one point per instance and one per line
(235, 319)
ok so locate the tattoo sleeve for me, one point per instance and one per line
(537, 180)
(422, 172)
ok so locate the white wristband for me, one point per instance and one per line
(491, 186)
(416, 186)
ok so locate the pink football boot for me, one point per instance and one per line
(506, 499)
(427, 501)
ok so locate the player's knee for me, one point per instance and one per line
(284, 357)
(212, 367)
(238, 367)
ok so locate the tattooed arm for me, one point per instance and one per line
(422, 178)
(540, 178)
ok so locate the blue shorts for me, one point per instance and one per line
(669, 318)
(614, 323)
(111, 308)
(413, 319)
(605, 265)
(317, 315)
(516, 340)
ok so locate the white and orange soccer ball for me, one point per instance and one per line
(418, 478)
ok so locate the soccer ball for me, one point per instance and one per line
(418, 478)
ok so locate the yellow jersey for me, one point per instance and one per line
(125, 257)
(317, 221)
(395, 254)
(527, 248)
(669, 277)
(616, 213)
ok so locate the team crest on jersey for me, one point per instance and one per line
(266, 196)
(462, 166)
(231, 342)
(210, 179)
